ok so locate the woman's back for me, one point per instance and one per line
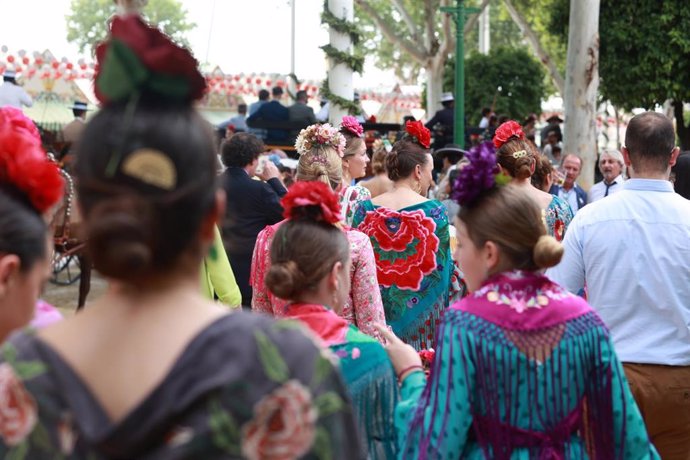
(219, 399)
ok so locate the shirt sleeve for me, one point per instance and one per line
(570, 272)
(220, 272)
(367, 305)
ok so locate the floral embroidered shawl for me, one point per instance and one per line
(368, 374)
(363, 307)
(557, 217)
(245, 387)
(350, 197)
(523, 369)
(416, 273)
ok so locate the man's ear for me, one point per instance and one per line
(9, 268)
(674, 156)
(626, 156)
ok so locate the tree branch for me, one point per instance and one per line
(411, 26)
(447, 40)
(416, 53)
(469, 25)
(533, 40)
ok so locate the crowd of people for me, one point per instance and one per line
(487, 308)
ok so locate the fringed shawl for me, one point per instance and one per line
(523, 369)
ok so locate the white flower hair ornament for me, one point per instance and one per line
(320, 135)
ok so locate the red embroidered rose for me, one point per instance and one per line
(417, 130)
(406, 244)
(23, 163)
(508, 130)
(306, 194)
(283, 426)
(558, 229)
(17, 408)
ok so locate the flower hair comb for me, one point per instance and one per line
(417, 131)
(479, 175)
(509, 130)
(302, 195)
(351, 124)
(316, 135)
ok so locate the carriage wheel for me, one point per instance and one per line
(66, 269)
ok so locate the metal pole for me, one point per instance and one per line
(459, 131)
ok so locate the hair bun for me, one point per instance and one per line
(119, 241)
(285, 280)
(547, 252)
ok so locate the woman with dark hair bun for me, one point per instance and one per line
(30, 185)
(411, 239)
(518, 158)
(523, 369)
(153, 369)
(310, 266)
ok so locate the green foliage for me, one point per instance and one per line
(516, 71)
(87, 21)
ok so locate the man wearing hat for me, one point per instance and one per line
(442, 123)
(554, 125)
(72, 132)
(11, 94)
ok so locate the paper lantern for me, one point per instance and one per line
(10, 59)
(70, 65)
(25, 60)
(55, 64)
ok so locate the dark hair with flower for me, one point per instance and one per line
(417, 131)
(311, 201)
(516, 155)
(309, 243)
(511, 129)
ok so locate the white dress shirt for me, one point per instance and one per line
(632, 251)
(570, 197)
(601, 190)
(13, 95)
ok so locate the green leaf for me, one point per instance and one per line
(18, 452)
(226, 433)
(329, 403)
(26, 370)
(274, 366)
(322, 444)
(40, 438)
(321, 370)
(9, 353)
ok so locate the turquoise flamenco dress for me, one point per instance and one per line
(368, 374)
(523, 370)
(417, 275)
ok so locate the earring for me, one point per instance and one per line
(418, 187)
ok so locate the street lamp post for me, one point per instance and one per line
(459, 13)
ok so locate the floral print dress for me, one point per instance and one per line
(363, 308)
(245, 387)
(416, 273)
(350, 197)
(557, 217)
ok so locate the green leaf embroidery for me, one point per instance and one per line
(288, 324)
(321, 370)
(329, 403)
(274, 366)
(26, 370)
(40, 438)
(322, 444)
(226, 434)
(18, 452)
(9, 353)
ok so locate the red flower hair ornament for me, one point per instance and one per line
(509, 130)
(311, 201)
(23, 163)
(419, 132)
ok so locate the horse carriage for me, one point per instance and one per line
(70, 262)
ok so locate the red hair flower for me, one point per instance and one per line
(417, 130)
(352, 125)
(507, 131)
(303, 195)
(23, 163)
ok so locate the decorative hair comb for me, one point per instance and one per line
(23, 163)
(139, 57)
(324, 135)
(479, 175)
(311, 193)
(417, 131)
(351, 124)
(509, 130)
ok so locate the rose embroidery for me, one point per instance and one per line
(283, 426)
(558, 229)
(18, 413)
(407, 246)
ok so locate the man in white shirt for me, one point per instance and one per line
(12, 94)
(611, 166)
(632, 251)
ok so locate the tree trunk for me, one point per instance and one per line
(534, 42)
(434, 86)
(340, 75)
(581, 85)
(682, 130)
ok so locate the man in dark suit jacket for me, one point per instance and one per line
(570, 192)
(300, 112)
(272, 111)
(251, 204)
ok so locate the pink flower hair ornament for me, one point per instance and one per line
(351, 124)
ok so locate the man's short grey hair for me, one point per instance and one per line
(614, 155)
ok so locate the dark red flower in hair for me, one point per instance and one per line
(304, 195)
(417, 130)
(507, 131)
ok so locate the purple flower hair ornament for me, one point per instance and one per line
(481, 174)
